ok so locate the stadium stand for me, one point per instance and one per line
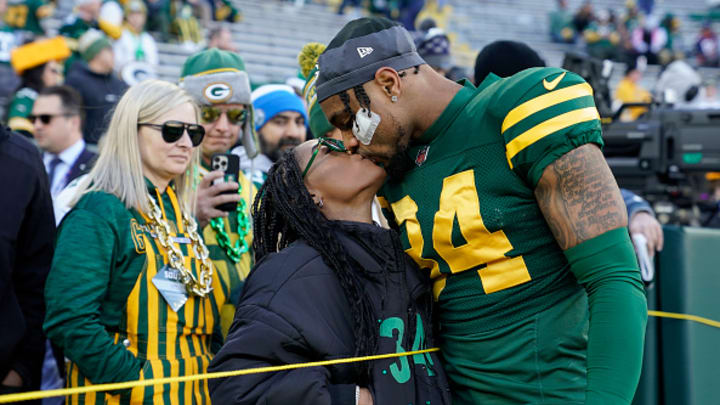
(272, 32)
(481, 22)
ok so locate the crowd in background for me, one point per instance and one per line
(639, 36)
(638, 30)
(621, 37)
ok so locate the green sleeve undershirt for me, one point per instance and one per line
(607, 267)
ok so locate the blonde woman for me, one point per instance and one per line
(131, 293)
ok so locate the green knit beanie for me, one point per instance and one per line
(91, 43)
(212, 60)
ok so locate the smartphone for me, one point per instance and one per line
(229, 164)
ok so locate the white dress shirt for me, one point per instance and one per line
(67, 159)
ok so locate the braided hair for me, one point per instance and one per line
(283, 212)
(362, 96)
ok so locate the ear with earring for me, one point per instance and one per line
(318, 202)
(393, 98)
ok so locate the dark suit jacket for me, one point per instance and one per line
(82, 165)
(27, 237)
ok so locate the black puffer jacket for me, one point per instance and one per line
(293, 310)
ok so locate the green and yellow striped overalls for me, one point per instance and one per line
(170, 343)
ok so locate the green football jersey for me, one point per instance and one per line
(467, 211)
(25, 15)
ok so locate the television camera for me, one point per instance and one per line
(664, 155)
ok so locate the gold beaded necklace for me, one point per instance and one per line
(161, 228)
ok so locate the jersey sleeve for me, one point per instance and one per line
(545, 113)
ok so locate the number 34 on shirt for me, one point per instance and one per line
(484, 249)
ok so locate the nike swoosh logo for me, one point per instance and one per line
(550, 85)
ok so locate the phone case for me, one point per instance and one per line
(230, 165)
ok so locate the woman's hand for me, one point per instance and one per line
(365, 397)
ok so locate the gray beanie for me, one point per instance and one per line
(360, 48)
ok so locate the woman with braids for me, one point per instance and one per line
(132, 294)
(329, 284)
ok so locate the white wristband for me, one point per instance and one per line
(357, 394)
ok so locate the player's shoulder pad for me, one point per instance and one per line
(531, 83)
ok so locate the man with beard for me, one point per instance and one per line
(281, 123)
(218, 82)
(501, 192)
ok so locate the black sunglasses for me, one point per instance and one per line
(45, 118)
(210, 114)
(334, 145)
(173, 130)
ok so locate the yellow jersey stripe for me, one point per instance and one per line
(540, 103)
(438, 286)
(548, 127)
(112, 399)
(90, 397)
(152, 307)
(158, 389)
(195, 361)
(205, 363)
(174, 386)
(74, 399)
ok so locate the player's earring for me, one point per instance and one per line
(394, 99)
(320, 203)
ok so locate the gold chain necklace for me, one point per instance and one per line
(161, 228)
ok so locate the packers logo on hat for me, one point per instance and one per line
(217, 92)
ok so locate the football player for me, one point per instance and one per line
(501, 192)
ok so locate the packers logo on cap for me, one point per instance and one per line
(217, 92)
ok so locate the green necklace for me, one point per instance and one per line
(241, 246)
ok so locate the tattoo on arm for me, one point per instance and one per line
(579, 197)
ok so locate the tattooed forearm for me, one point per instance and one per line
(579, 197)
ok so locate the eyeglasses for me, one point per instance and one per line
(210, 114)
(45, 118)
(334, 145)
(174, 130)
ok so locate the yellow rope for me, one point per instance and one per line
(26, 396)
(673, 315)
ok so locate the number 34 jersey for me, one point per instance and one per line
(467, 211)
